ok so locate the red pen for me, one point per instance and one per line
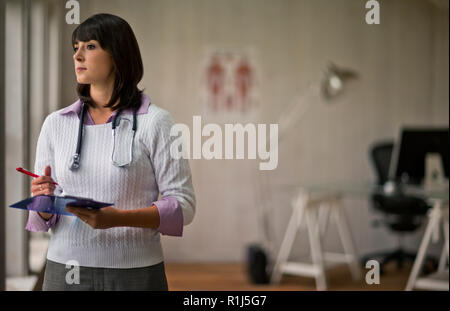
(19, 169)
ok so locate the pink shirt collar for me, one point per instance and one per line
(76, 107)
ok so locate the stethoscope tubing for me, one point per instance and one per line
(75, 164)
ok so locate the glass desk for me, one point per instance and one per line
(314, 203)
(364, 188)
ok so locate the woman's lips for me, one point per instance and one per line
(80, 69)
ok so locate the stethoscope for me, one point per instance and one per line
(75, 163)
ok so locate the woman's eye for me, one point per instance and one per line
(89, 47)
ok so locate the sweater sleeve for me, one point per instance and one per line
(173, 176)
(44, 157)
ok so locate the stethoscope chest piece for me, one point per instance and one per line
(123, 141)
(75, 163)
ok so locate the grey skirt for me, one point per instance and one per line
(58, 277)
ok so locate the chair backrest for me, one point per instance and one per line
(381, 158)
(403, 207)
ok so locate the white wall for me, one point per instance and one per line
(14, 112)
(32, 69)
(2, 151)
(403, 65)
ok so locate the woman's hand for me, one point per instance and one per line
(102, 218)
(44, 185)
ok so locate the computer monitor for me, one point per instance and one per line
(408, 158)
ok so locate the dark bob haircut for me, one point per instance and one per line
(116, 37)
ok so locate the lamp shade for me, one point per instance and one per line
(335, 79)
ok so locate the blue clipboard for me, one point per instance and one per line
(53, 204)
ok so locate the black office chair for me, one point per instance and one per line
(403, 214)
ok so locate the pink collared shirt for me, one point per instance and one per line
(76, 107)
(170, 212)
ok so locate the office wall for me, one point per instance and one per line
(32, 68)
(16, 260)
(403, 68)
(2, 149)
(440, 64)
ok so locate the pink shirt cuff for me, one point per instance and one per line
(170, 216)
(38, 224)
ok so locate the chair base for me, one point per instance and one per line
(400, 257)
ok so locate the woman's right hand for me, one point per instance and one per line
(44, 185)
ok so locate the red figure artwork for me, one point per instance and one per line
(243, 82)
(215, 74)
(229, 82)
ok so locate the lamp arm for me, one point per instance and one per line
(296, 110)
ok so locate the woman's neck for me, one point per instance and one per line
(101, 95)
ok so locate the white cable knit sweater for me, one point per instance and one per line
(152, 171)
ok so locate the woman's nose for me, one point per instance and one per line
(78, 55)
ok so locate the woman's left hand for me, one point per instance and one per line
(102, 218)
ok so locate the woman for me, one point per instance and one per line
(117, 247)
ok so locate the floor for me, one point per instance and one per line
(38, 248)
(233, 276)
(25, 283)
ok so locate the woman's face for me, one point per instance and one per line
(93, 65)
